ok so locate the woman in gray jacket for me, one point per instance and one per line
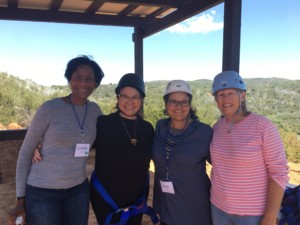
(180, 152)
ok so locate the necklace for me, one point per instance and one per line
(179, 130)
(80, 124)
(132, 140)
(231, 123)
(230, 127)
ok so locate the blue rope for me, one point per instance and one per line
(140, 207)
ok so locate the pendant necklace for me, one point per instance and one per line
(230, 127)
(132, 140)
(234, 119)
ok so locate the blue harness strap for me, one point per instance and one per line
(140, 207)
(291, 206)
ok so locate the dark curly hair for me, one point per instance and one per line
(73, 64)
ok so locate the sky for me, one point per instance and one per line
(190, 50)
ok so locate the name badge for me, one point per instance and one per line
(82, 150)
(167, 187)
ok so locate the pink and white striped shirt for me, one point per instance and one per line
(243, 160)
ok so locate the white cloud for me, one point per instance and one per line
(204, 24)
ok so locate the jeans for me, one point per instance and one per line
(57, 206)
(220, 217)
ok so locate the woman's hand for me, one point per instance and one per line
(37, 154)
(18, 210)
(268, 221)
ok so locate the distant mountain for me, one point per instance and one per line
(278, 99)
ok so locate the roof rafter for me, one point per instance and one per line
(56, 4)
(151, 16)
(95, 6)
(185, 12)
(70, 17)
(12, 3)
(128, 10)
(153, 3)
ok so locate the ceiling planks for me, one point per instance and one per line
(151, 16)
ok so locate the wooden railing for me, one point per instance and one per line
(10, 135)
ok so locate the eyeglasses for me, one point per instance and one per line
(228, 95)
(126, 98)
(174, 103)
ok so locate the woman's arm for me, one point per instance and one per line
(275, 195)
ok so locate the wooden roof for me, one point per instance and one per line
(147, 17)
(150, 15)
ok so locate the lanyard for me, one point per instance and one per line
(80, 125)
(172, 139)
(169, 147)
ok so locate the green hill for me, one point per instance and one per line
(278, 99)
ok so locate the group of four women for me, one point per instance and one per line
(249, 167)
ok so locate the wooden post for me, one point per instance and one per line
(232, 35)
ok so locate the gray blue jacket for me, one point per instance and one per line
(191, 202)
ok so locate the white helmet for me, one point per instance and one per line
(178, 86)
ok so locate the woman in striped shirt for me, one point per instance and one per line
(250, 169)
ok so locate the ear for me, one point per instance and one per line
(243, 95)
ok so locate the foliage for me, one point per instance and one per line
(278, 99)
(19, 99)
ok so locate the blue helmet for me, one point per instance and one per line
(228, 79)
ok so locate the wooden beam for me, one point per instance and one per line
(94, 6)
(180, 15)
(12, 4)
(232, 35)
(55, 5)
(9, 135)
(127, 10)
(158, 12)
(137, 38)
(37, 15)
(152, 3)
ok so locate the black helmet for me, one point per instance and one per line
(131, 80)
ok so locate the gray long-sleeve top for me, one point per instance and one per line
(55, 121)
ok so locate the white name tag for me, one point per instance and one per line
(82, 150)
(167, 187)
